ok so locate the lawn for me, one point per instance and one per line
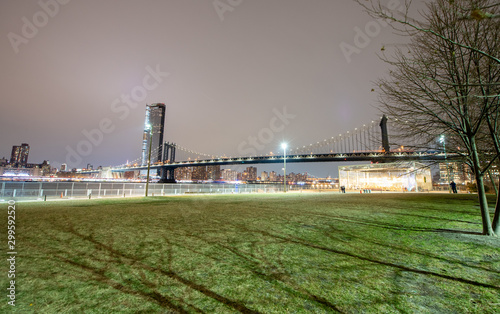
(269, 253)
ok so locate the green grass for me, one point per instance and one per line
(295, 253)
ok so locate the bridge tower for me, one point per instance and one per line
(168, 174)
(385, 136)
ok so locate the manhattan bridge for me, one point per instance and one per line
(369, 142)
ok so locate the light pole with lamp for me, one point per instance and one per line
(150, 127)
(284, 166)
(442, 140)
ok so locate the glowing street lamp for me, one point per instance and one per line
(283, 145)
(443, 141)
(150, 127)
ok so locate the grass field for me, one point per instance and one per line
(293, 253)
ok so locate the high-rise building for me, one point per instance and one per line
(213, 173)
(273, 177)
(19, 155)
(454, 171)
(229, 175)
(64, 167)
(264, 176)
(155, 119)
(14, 156)
(45, 168)
(183, 173)
(199, 173)
(250, 174)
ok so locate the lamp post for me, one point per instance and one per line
(284, 166)
(149, 156)
(443, 141)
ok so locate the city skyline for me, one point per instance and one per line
(223, 77)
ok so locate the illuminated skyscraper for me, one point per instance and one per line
(213, 173)
(19, 155)
(199, 173)
(155, 118)
(229, 175)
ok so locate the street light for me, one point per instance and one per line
(443, 141)
(284, 166)
(149, 156)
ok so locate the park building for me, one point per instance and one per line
(396, 176)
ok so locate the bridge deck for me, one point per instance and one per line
(362, 156)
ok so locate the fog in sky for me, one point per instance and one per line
(224, 69)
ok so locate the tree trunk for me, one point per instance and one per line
(496, 217)
(493, 132)
(493, 183)
(481, 193)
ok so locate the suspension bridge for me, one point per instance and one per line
(367, 143)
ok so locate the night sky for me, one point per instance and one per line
(223, 68)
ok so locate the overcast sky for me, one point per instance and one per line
(223, 68)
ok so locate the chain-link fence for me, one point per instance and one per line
(71, 190)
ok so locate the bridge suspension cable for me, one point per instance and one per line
(363, 139)
(192, 154)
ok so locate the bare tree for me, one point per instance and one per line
(447, 82)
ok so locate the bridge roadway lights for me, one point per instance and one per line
(368, 156)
